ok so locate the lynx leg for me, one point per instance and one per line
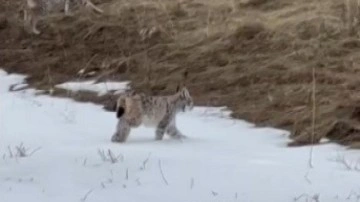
(160, 131)
(173, 132)
(122, 131)
(161, 128)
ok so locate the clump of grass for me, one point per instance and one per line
(20, 151)
(109, 156)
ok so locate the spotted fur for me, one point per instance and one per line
(133, 110)
(35, 10)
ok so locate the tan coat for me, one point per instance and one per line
(133, 109)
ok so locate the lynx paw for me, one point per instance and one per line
(117, 138)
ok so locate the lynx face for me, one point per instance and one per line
(185, 101)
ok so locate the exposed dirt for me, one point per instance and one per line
(280, 63)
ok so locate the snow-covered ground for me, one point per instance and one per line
(222, 160)
(100, 88)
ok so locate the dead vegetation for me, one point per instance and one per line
(110, 156)
(20, 151)
(255, 56)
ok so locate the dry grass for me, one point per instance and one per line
(255, 56)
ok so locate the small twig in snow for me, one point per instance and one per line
(342, 160)
(314, 198)
(113, 159)
(192, 183)
(307, 177)
(357, 165)
(21, 151)
(102, 155)
(138, 181)
(145, 162)
(162, 173)
(10, 152)
(109, 156)
(127, 174)
(122, 157)
(86, 195)
(313, 117)
(103, 185)
(299, 197)
(35, 150)
(346, 164)
(351, 194)
(108, 181)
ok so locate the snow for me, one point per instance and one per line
(222, 160)
(100, 88)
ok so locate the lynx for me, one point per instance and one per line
(133, 110)
(35, 10)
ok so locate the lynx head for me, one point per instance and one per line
(184, 101)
